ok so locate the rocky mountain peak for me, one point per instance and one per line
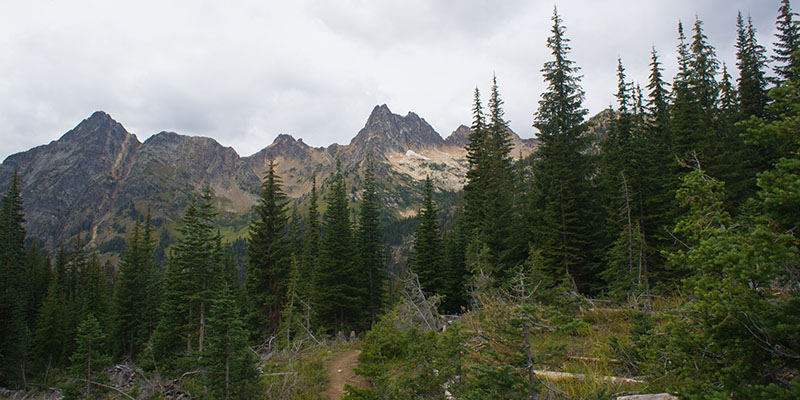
(459, 137)
(386, 132)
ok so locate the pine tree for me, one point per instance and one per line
(269, 252)
(38, 275)
(427, 247)
(230, 364)
(559, 201)
(136, 291)
(751, 61)
(13, 287)
(477, 156)
(621, 182)
(311, 251)
(658, 102)
(193, 280)
(371, 254)
(51, 334)
(336, 289)
(502, 216)
(95, 293)
(91, 354)
(786, 60)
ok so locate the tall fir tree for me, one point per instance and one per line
(427, 247)
(52, 334)
(193, 280)
(136, 292)
(230, 363)
(311, 251)
(750, 60)
(658, 102)
(14, 335)
(786, 62)
(489, 208)
(371, 253)
(269, 255)
(621, 183)
(559, 207)
(477, 156)
(337, 292)
(91, 354)
(38, 274)
(502, 217)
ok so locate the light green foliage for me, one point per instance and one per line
(405, 360)
(738, 332)
(91, 355)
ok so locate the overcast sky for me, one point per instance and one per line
(244, 71)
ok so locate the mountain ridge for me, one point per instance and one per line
(97, 178)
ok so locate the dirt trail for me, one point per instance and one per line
(340, 372)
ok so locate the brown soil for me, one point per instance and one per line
(340, 372)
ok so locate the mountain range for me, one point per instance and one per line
(98, 178)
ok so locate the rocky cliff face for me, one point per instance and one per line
(97, 178)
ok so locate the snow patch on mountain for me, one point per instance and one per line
(412, 153)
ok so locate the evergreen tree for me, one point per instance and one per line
(336, 289)
(786, 60)
(91, 354)
(13, 287)
(427, 247)
(136, 291)
(658, 103)
(751, 61)
(54, 319)
(477, 156)
(269, 252)
(193, 280)
(95, 293)
(489, 208)
(311, 251)
(559, 202)
(454, 264)
(502, 214)
(371, 254)
(730, 341)
(620, 177)
(230, 364)
(52, 326)
(39, 273)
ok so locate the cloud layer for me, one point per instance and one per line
(244, 71)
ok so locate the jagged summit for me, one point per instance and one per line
(459, 137)
(386, 132)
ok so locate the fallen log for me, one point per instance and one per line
(558, 376)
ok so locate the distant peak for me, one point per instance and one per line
(100, 115)
(284, 137)
(379, 113)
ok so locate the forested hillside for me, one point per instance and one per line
(655, 254)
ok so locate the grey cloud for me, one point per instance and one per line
(244, 71)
